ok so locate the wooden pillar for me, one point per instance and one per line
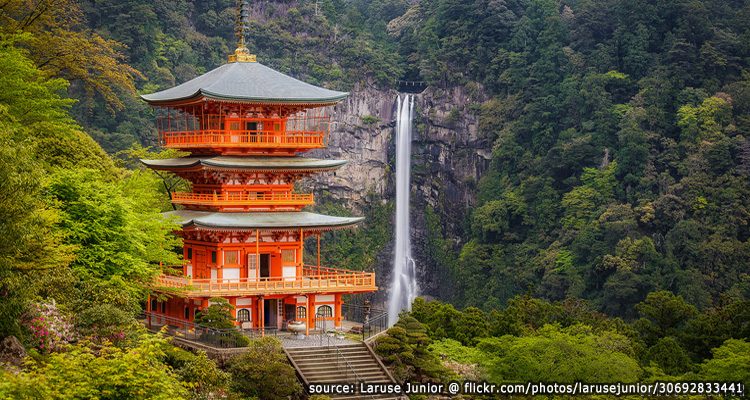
(261, 316)
(233, 302)
(301, 247)
(307, 315)
(318, 254)
(337, 311)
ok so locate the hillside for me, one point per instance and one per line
(581, 185)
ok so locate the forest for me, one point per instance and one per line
(609, 240)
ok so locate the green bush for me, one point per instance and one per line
(264, 372)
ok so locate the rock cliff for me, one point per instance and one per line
(448, 158)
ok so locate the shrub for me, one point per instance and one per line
(264, 372)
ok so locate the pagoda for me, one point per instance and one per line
(246, 127)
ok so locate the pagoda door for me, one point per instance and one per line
(200, 265)
(265, 265)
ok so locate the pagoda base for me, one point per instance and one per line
(319, 312)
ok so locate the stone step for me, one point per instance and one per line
(312, 375)
(341, 346)
(333, 357)
(328, 367)
(329, 352)
(342, 364)
(340, 380)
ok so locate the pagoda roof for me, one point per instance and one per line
(262, 220)
(250, 82)
(246, 163)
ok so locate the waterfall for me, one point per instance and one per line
(404, 278)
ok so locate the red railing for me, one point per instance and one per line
(227, 199)
(239, 139)
(329, 279)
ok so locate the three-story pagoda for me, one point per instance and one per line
(244, 228)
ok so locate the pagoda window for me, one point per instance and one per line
(252, 267)
(163, 307)
(301, 312)
(213, 257)
(187, 313)
(289, 268)
(325, 311)
(231, 257)
(154, 304)
(234, 126)
(243, 315)
(189, 253)
(288, 256)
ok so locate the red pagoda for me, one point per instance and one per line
(244, 228)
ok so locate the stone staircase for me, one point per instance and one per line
(349, 363)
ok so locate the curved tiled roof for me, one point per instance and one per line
(247, 82)
(251, 163)
(262, 220)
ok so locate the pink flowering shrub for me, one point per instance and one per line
(49, 328)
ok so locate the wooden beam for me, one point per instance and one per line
(307, 315)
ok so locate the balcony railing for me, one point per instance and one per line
(243, 139)
(280, 200)
(311, 281)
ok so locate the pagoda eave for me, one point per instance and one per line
(245, 164)
(279, 221)
(246, 83)
(202, 97)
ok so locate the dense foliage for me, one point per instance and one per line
(263, 372)
(564, 342)
(616, 200)
(619, 160)
(620, 155)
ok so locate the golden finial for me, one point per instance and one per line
(242, 53)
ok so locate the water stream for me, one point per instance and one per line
(404, 278)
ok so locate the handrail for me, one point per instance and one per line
(341, 281)
(242, 138)
(313, 270)
(244, 198)
(181, 328)
(339, 356)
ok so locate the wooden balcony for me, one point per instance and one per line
(313, 280)
(244, 141)
(281, 201)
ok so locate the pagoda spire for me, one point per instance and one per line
(242, 53)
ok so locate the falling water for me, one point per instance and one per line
(404, 284)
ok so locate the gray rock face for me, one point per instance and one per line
(12, 351)
(448, 158)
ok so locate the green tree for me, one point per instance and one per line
(102, 372)
(404, 348)
(263, 372)
(663, 314)
(730, 363)
(669, 356)
(562, 355)
(115, 224)
(218, 315)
